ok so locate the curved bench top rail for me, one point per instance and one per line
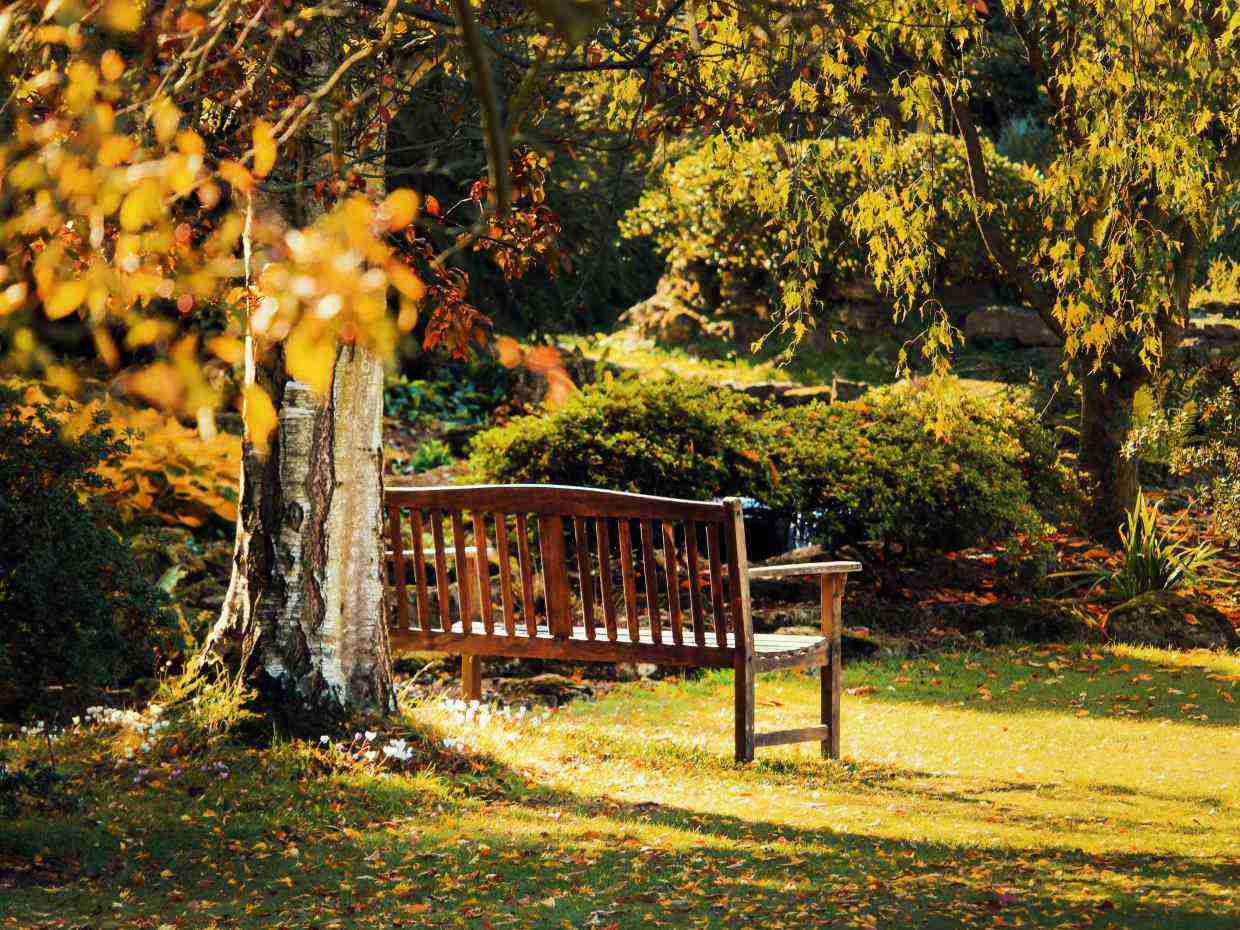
(553, 499)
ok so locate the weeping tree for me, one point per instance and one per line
(1137, 107)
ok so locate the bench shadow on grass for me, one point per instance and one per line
(501, 853)
(1118, 687)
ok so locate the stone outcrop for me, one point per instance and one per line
(1162, 618)
(791, 394)
(1009, 324)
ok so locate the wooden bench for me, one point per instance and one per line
(584, 574)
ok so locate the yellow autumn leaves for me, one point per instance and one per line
(99, 223)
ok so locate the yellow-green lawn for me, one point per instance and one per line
(1066, 787)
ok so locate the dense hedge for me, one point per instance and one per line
(78, 613)
(868, 470)
(753, 208)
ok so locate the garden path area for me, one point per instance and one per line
(1024, 786)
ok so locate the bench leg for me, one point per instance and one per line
(471, 678)
(744, 707)
(832, 594)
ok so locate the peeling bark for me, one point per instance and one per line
(303, 622)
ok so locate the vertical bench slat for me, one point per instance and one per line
(672, 557)
(602, 532)
(716, 583)
(650, 572)
(695, 583)
(527, 576)
(629, 579)
(505, 573)
(483, 564)
(555, 575)
(398, 559)
(582, 541)
(460, 565)
(443, 597)
(422, 596)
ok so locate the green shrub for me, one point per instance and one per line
(78, 612)
(863, 471)
(875, 470)
(679, 438)
(759, 209)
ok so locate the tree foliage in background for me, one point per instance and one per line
(777, 213)
(1141, 109)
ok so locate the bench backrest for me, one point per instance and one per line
(568, 563)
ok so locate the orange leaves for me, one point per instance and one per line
(310, 357)
(122, 15)
(400, 208)
(65, 298)
(112, 65)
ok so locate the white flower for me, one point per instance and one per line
(370, 735)
(324, 739)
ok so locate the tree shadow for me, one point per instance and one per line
(485, 847)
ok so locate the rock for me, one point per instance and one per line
(550, 689)
(861, 289)
(761, 390)
(966, 294)
(798, 396)
(1014, 324)
(1226, 309)
(791, 394)
(844, 390)
(1162, 618)
(531, 383)
(865, 317)
(1215, 332)
(810, 553)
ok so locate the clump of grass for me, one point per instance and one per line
(1152, 560)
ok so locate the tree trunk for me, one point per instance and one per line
(303, 622)
(1106, 419)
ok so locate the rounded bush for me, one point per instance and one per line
(679, 438)
(872, 470)
(78, 612)
(877, 470)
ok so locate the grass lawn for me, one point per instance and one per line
(1066, 787)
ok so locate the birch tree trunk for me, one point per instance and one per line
(304, 620)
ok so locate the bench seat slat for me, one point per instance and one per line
(769, 648)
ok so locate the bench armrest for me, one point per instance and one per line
(803, 569)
